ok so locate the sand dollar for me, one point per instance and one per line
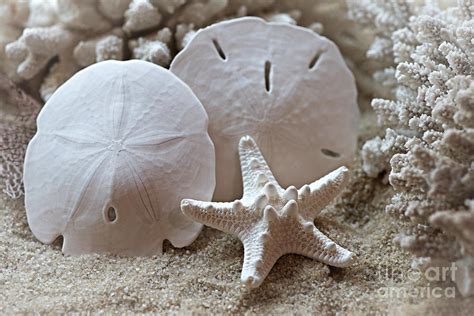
(285, 86)
(117, 148)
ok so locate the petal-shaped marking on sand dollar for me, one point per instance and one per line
(49, 218)
(76, 102)
(285, 86)
(118, 146)
(75, 134)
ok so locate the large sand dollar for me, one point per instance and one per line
(285, 86)
(117, 148)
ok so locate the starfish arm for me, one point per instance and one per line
(229, 217)
(317, 195)
(255, 171)
(259, 258)
(312, 243)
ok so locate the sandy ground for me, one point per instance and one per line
(204, 277)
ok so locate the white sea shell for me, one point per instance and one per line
(118, 146)
(285, 86)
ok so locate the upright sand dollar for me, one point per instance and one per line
(285, 86)
(117, 148)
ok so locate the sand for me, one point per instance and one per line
(204, 277)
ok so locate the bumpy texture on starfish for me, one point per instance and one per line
(271, 221)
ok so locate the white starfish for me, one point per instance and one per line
(271, 221)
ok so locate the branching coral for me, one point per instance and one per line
(429, 142)
(48, 41)
(14, 16)
(51, 40)
(153, 48)
(36, 47)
